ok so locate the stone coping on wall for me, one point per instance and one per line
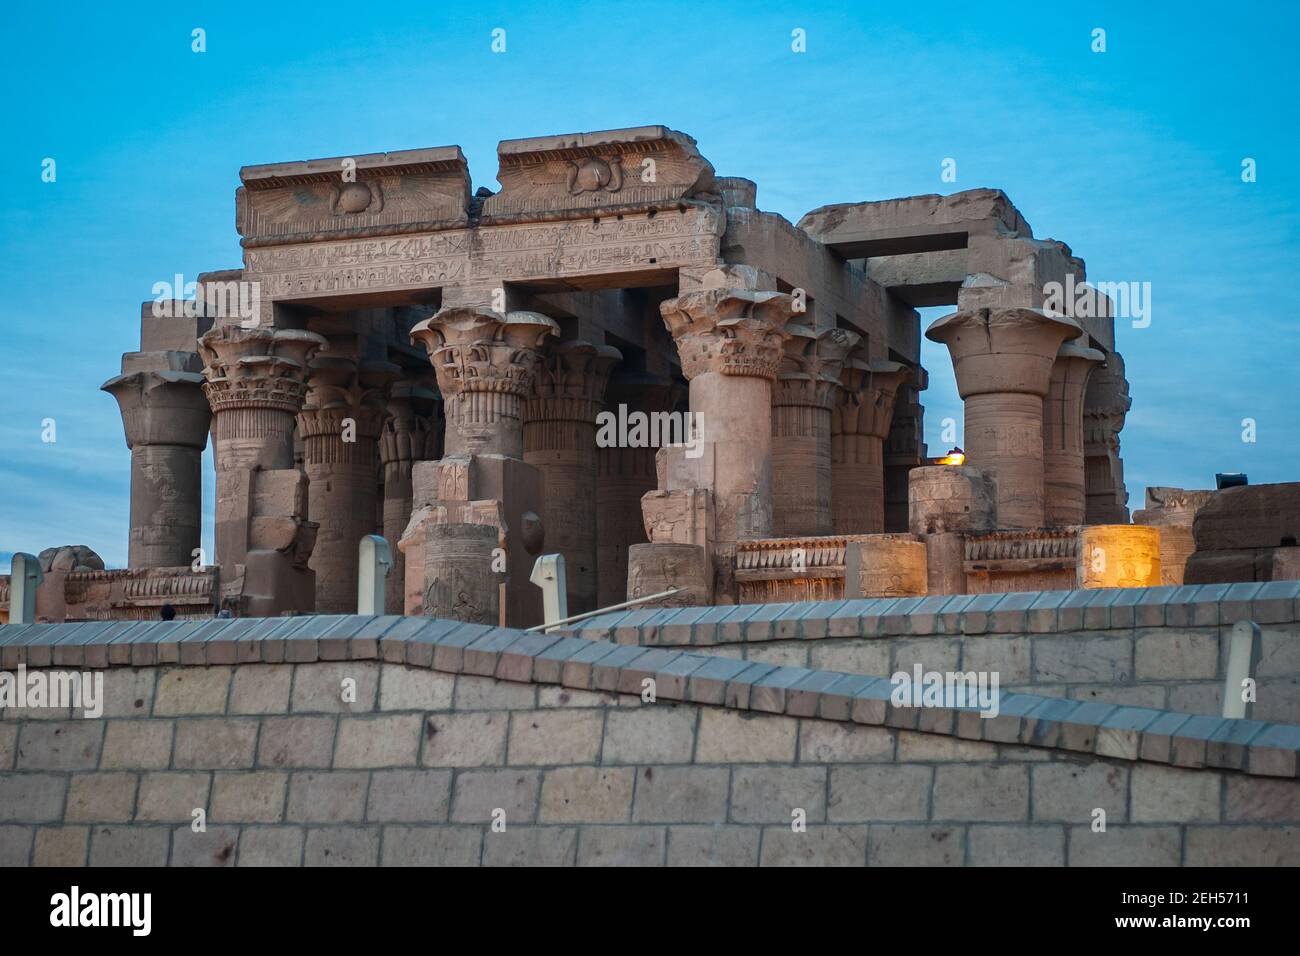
(1085, 727)
(1017, 612)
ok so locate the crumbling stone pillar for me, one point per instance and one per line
(946, 503)
(407, 436)
(485, 363)
(1003, 362)
(807, 386)
(1173, 510)
(730, 344)
(1106, 405)
(255, 382)
(560, 442)
(165, 416)
(1063, 472)
(905, 446)
(860, 421)
(339, 425)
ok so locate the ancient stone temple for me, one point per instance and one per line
(620, 358)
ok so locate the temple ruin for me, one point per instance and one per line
(405, 356)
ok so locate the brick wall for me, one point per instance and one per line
(1164, 647)
(451, 723)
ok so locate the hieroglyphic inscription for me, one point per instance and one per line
(669, 239)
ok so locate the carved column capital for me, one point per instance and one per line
(256, 368)
(865, 402)
(1003, 350)
(809, 373)
(476, 349)
(570, 382)
(340, 390)
(162, 408)
(408, 429)
(729, 331)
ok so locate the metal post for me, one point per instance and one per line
(376, 559)
(548, 574)
(1243, 659)
(25, 576)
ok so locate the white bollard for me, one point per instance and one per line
(376, 559)
(548, 574)
(25, 577)
(1243, 659)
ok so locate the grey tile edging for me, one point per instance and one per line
(1018, 612)
(1106, 730)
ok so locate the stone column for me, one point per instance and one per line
(807, 386)
(166, 417)
(730, 342)
(623, 475)
(407, 437)
(255, 382)
(1063, 475)
(340, 425)
(860, 421)
(485, 363)
(1106, 405)
(560, 442)
(1003, 362)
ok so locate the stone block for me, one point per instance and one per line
(1174, 795)
(185, 691)
(816, 846)
(1256, 800)
(621, 846)
(554, 737)
(215, 743)
(773, 794)
(887, 792)
(332, 797)
(1069, 792)
(129, 692)
(15, 845)
(342, 846)
(256, 797)
(716, 845)
(1167, 654)
(465, 740)
(8, 744)
(861, 656)
(728, 736)
(270, 846)
(681, 795)
(932, 653)
(409, 796)
(894, 845)
(1243, 846)
(296, 742)
(924, 748)
(100, 798)
(61, 846)
(823, 741)
(171, 797)
(1016, 846)
(1079, 659)
(60, 744)
(484, 693)
(214, 847)
(654, 734)
(128, 846)
(433, 846)
(479, 792)
(261, 689)
(530, 846)
(137, 745)
(981, 792)
(388, 741)
(1125, 846)
(586, 795)
(321, 687)
(414, 688)
(1006, 656)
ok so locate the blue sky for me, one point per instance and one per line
(1132, 156)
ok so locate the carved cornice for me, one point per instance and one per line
(729, 331)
